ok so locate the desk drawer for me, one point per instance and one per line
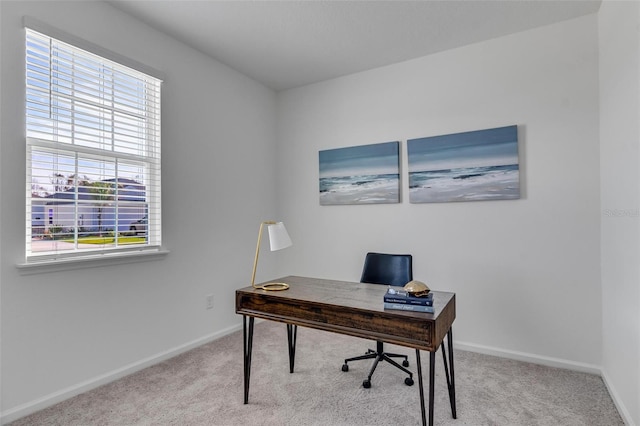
(403, 328)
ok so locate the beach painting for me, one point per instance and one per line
(366, 174)
(470, 166)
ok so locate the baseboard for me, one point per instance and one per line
(622, 409)
(532, 358)
(59, 396)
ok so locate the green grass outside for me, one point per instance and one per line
(110, 240)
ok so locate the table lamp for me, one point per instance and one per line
(278, 239)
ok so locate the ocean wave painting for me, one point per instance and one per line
(470, 166)
(367, 174)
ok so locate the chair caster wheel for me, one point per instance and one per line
(345, 367)
(408, 381)
(366, 384)
(405, 363)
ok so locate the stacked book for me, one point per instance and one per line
(398, 298)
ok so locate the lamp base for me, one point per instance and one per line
(274, 286)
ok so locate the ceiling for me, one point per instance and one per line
(286, 44)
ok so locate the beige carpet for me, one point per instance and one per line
(204, 387)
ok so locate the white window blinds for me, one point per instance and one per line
(93, 153)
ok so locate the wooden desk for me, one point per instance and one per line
(355, 309)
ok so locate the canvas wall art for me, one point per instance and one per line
(366, 174)
(470, 166)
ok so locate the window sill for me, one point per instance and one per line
(90, 261)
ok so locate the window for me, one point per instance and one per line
(93, 153)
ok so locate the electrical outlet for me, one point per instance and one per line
(209, 301)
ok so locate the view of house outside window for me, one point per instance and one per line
(93, 153)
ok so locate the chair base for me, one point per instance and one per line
(381, 355)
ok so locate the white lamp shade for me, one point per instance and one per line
(278, 236)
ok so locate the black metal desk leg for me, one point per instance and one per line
(424, 417)
(452, 387)
(432, 376)
(292, 331)
(248, 344)
(446, 373)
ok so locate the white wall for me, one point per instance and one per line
(526, 272)
(63, 332)
(620, 173)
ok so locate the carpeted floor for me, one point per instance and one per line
(204, 387)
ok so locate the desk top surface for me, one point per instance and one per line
(361, 296)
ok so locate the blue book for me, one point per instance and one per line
(409, 307)
(420, 301)
(399, 295)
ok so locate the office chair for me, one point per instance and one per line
(386, 269)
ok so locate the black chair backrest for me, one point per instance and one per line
(388, 269)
